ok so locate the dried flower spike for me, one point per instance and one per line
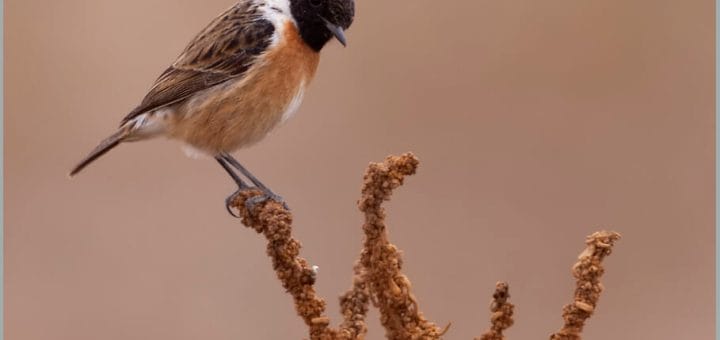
(502, 312)
(391, 289)
(378, 277)
(587, 271)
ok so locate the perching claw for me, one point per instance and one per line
(229, 202)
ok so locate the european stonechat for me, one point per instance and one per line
(239, 78)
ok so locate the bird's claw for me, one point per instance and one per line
(229, 203)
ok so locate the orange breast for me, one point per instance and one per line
(241, 112)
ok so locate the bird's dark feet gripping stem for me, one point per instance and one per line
(228, 163)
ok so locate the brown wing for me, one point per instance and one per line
(224, 50)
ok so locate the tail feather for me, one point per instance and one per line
(106, 145)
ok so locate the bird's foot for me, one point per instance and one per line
(252, 202)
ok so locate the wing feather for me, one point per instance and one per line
(224, 50)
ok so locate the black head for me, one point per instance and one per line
(320, 20)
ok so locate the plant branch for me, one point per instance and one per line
(378, 277)
(502, 312)
(399, 311)
(587, 271)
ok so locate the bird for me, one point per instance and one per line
(242, 76)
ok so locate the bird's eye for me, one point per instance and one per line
(315, 3)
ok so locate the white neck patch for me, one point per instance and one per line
(278, 13)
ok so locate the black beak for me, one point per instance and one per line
(337, 31)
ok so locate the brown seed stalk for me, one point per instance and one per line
(587, 271)
(502, 313)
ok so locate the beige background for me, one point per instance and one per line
(537, 122)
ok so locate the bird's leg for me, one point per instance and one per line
(267, 193)
(241, 185)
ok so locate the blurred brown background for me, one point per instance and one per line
(537, 122)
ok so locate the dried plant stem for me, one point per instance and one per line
(502, 312)
(378, 277)
(377, 273)
(354, 306)
(391, 289)
(274, 221)
(587, 271)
